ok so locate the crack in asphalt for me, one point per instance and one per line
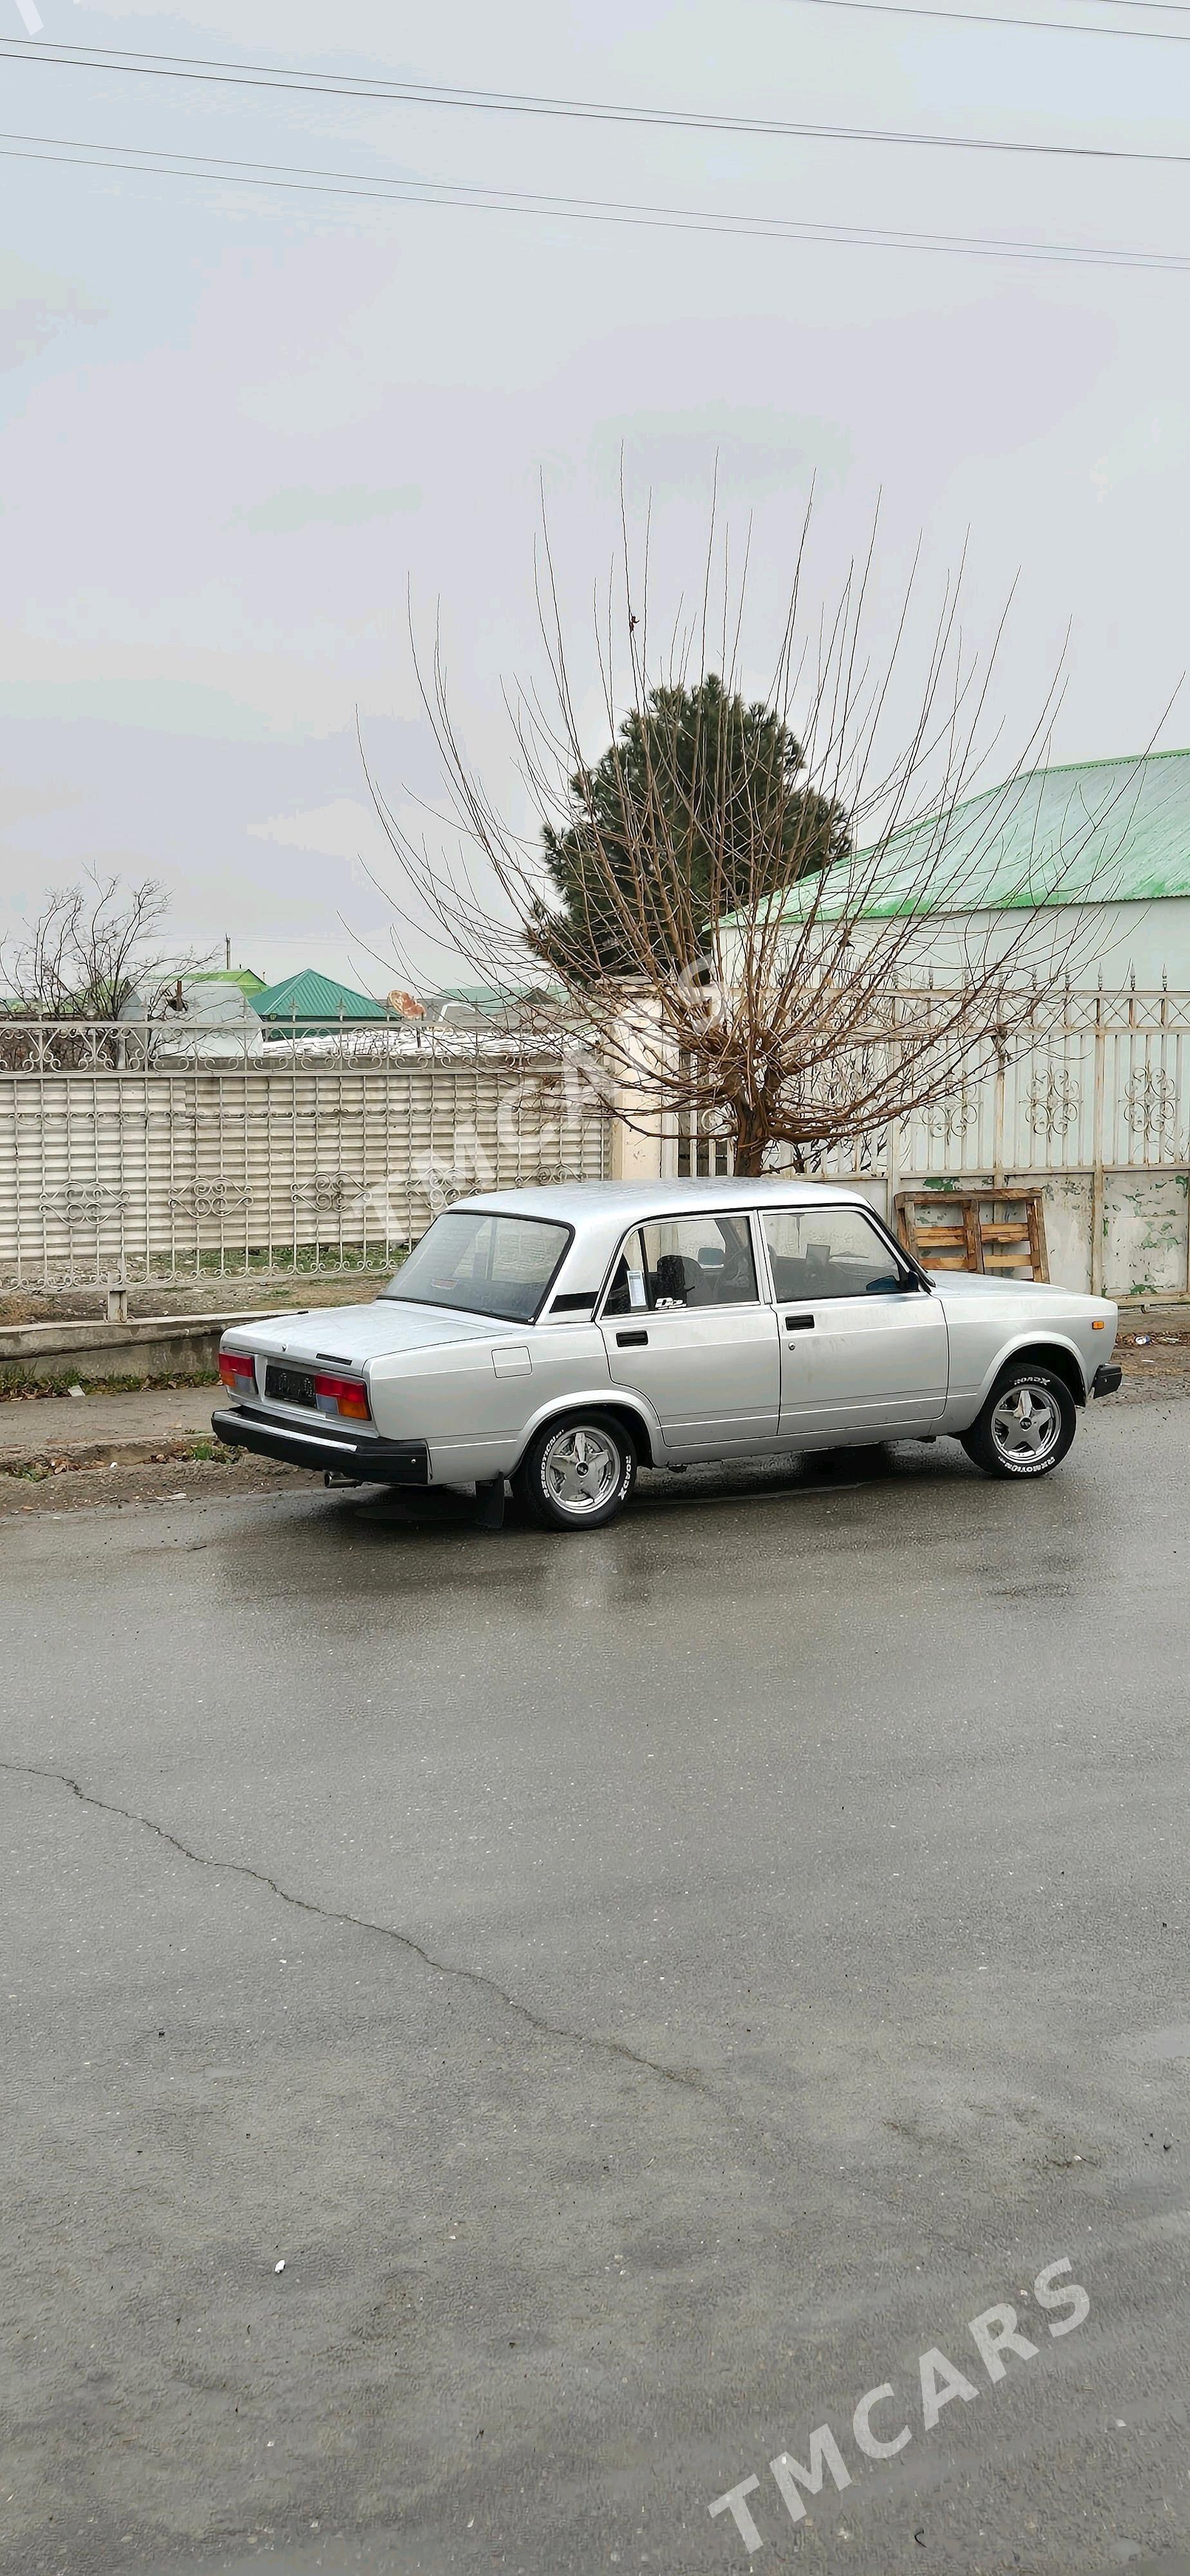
(686, 2078)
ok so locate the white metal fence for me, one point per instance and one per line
(1097, 1113)
(135, 1153)
(126, 1152)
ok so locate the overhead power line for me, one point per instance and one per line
(516, 103)
(361, 186)
(995, 18)
(1167, 8)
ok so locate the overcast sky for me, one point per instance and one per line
(239, 426)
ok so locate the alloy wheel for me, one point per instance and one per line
(1025, 1424)
(580, 1470)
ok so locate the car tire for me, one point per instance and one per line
(1026, 1426)
(578, 1473)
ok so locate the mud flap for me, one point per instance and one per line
(489, 1505)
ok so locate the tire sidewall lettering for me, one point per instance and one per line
(1046, 1382)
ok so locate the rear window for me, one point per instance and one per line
(483, 1264)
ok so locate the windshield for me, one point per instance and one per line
(483, 1264)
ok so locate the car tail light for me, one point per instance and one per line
(347, 1396)
(237, 1369)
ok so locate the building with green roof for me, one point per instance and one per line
(1102, 845)
(312, 1004)
(248, 983)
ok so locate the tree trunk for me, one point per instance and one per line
(753, 1136)
(751, 1142)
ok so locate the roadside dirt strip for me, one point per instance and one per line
(1154, 1363)
(60, 1452)
(119, 1483)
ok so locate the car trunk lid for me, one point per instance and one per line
(346, 1337)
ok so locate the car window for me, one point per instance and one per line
(483, 1264)
(685, 1261)
(829, 1252)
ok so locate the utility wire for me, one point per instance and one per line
(514, 103)
(991, 18)
(1169, 8)
(59, 150)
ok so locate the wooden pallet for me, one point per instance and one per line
(974, 1229)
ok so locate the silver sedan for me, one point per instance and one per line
(560, 1337)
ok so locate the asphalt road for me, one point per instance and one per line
(646, 1989)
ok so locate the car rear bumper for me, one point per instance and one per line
(1106, 1379)
(330, 1449)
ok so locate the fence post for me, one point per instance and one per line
(892, 1148)
(638, 1137)
(1097, 1178)
(892, 1163)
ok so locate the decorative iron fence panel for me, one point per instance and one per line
(1096, 1111)
(140, 1160)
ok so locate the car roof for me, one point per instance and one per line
(630, 1202)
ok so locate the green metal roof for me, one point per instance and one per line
(242, 975)
(310, 996)
(1097, 831)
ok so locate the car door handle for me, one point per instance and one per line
(631, 1341)
(799, 1323)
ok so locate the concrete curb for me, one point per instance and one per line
(167, 1345)
(64, 1456)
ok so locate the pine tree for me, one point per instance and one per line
(699, 791)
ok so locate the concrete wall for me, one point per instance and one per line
(1118, 941)
(157, 1346)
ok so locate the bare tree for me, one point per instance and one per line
(91, 955)
(786, 1000)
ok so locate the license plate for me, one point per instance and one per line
(290, 1386)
